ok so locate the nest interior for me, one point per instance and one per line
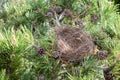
(73, 43)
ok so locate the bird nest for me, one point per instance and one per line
(73, 44)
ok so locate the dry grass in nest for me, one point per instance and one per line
(73, 44)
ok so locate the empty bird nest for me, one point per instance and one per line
(73, 44)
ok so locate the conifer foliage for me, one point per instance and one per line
(29, 46)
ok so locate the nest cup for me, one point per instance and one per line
(73, 43)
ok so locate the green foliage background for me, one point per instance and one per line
(18, 56)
